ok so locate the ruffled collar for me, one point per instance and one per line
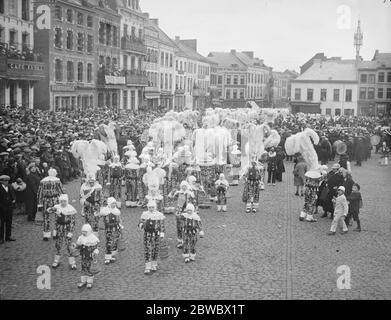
(90, 240)
(96, 186)
(50, 179)
(156, 215)
(68, 210)
(156, 197)
(193, 216)
(107, 210)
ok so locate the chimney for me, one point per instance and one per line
(233, 51)
(155, 22)
(191, 43)
(249, 54)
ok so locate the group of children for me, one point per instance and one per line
(152, 222)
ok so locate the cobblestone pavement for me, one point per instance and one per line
(269, 255)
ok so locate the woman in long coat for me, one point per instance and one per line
(280, 164)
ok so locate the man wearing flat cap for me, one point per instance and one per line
(7, 200)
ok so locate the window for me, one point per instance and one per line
(388, 93)
(220, 80)
(162, 60)
(381, 77)
(90, 43)
(108, 63)
(236, 79)
(125, 98)
(80, 42)
(80, 19)
(58, 70)
(297, 94)
(70, 71)
(363, 93)
(114, 64)
(228, 80)
(25, 10)
(1, 6)
(101, 33)
(328, 111)
(70, 16)
(133, 30)
(58, 13)
(108, 35)
(57, 103)
(25, 40)
(380, 93)
(235, 94)
(89, 73)
(323, 94)
(171, 59)
(363, 78)
(140, 34)
(90, 21)
(69, 40)
(388, 76)
(227, 94)
(338, 112)
(242, 80)
(166, 64)
(58, 38)
(310, 94)
(348, 95)
(80, 72)
(115, 37)
(161, 81)
(241, 94)
(12, 37)
(170, 81)
(166, 82)
(371, 78)
(336, 95)
(371, 93)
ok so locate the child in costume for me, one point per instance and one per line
(152, 222)
(49, 191)
(184, 196)
(191, 228)
(65, 225)
(91, 200)
(112, 220)
(355, 203)
(131, 180)
(385, 151)
(222, 187)
(116, 174)
(250, 195)
(87, 243)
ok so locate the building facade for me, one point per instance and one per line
(327, 87)
(133, 54)
(160, 66)
(192, 76)
(240, 78)
(374, 77)
(281, 90)
(68, 49)
(111, 80)
(20, 67)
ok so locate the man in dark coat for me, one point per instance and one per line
(7, 200)
(32, 183)
(358, 150)
(334, 180)
(324, 150)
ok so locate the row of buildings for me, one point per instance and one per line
(334, 86)
(73, 55)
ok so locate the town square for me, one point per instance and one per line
(137, 164)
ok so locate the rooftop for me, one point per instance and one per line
(330, 70)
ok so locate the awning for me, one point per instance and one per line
(253, 104)
(151, 95)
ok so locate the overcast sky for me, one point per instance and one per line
(285, 33)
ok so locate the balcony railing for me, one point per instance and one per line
(179, 91)
(152, 89)
(22, 69)
(134, 45)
